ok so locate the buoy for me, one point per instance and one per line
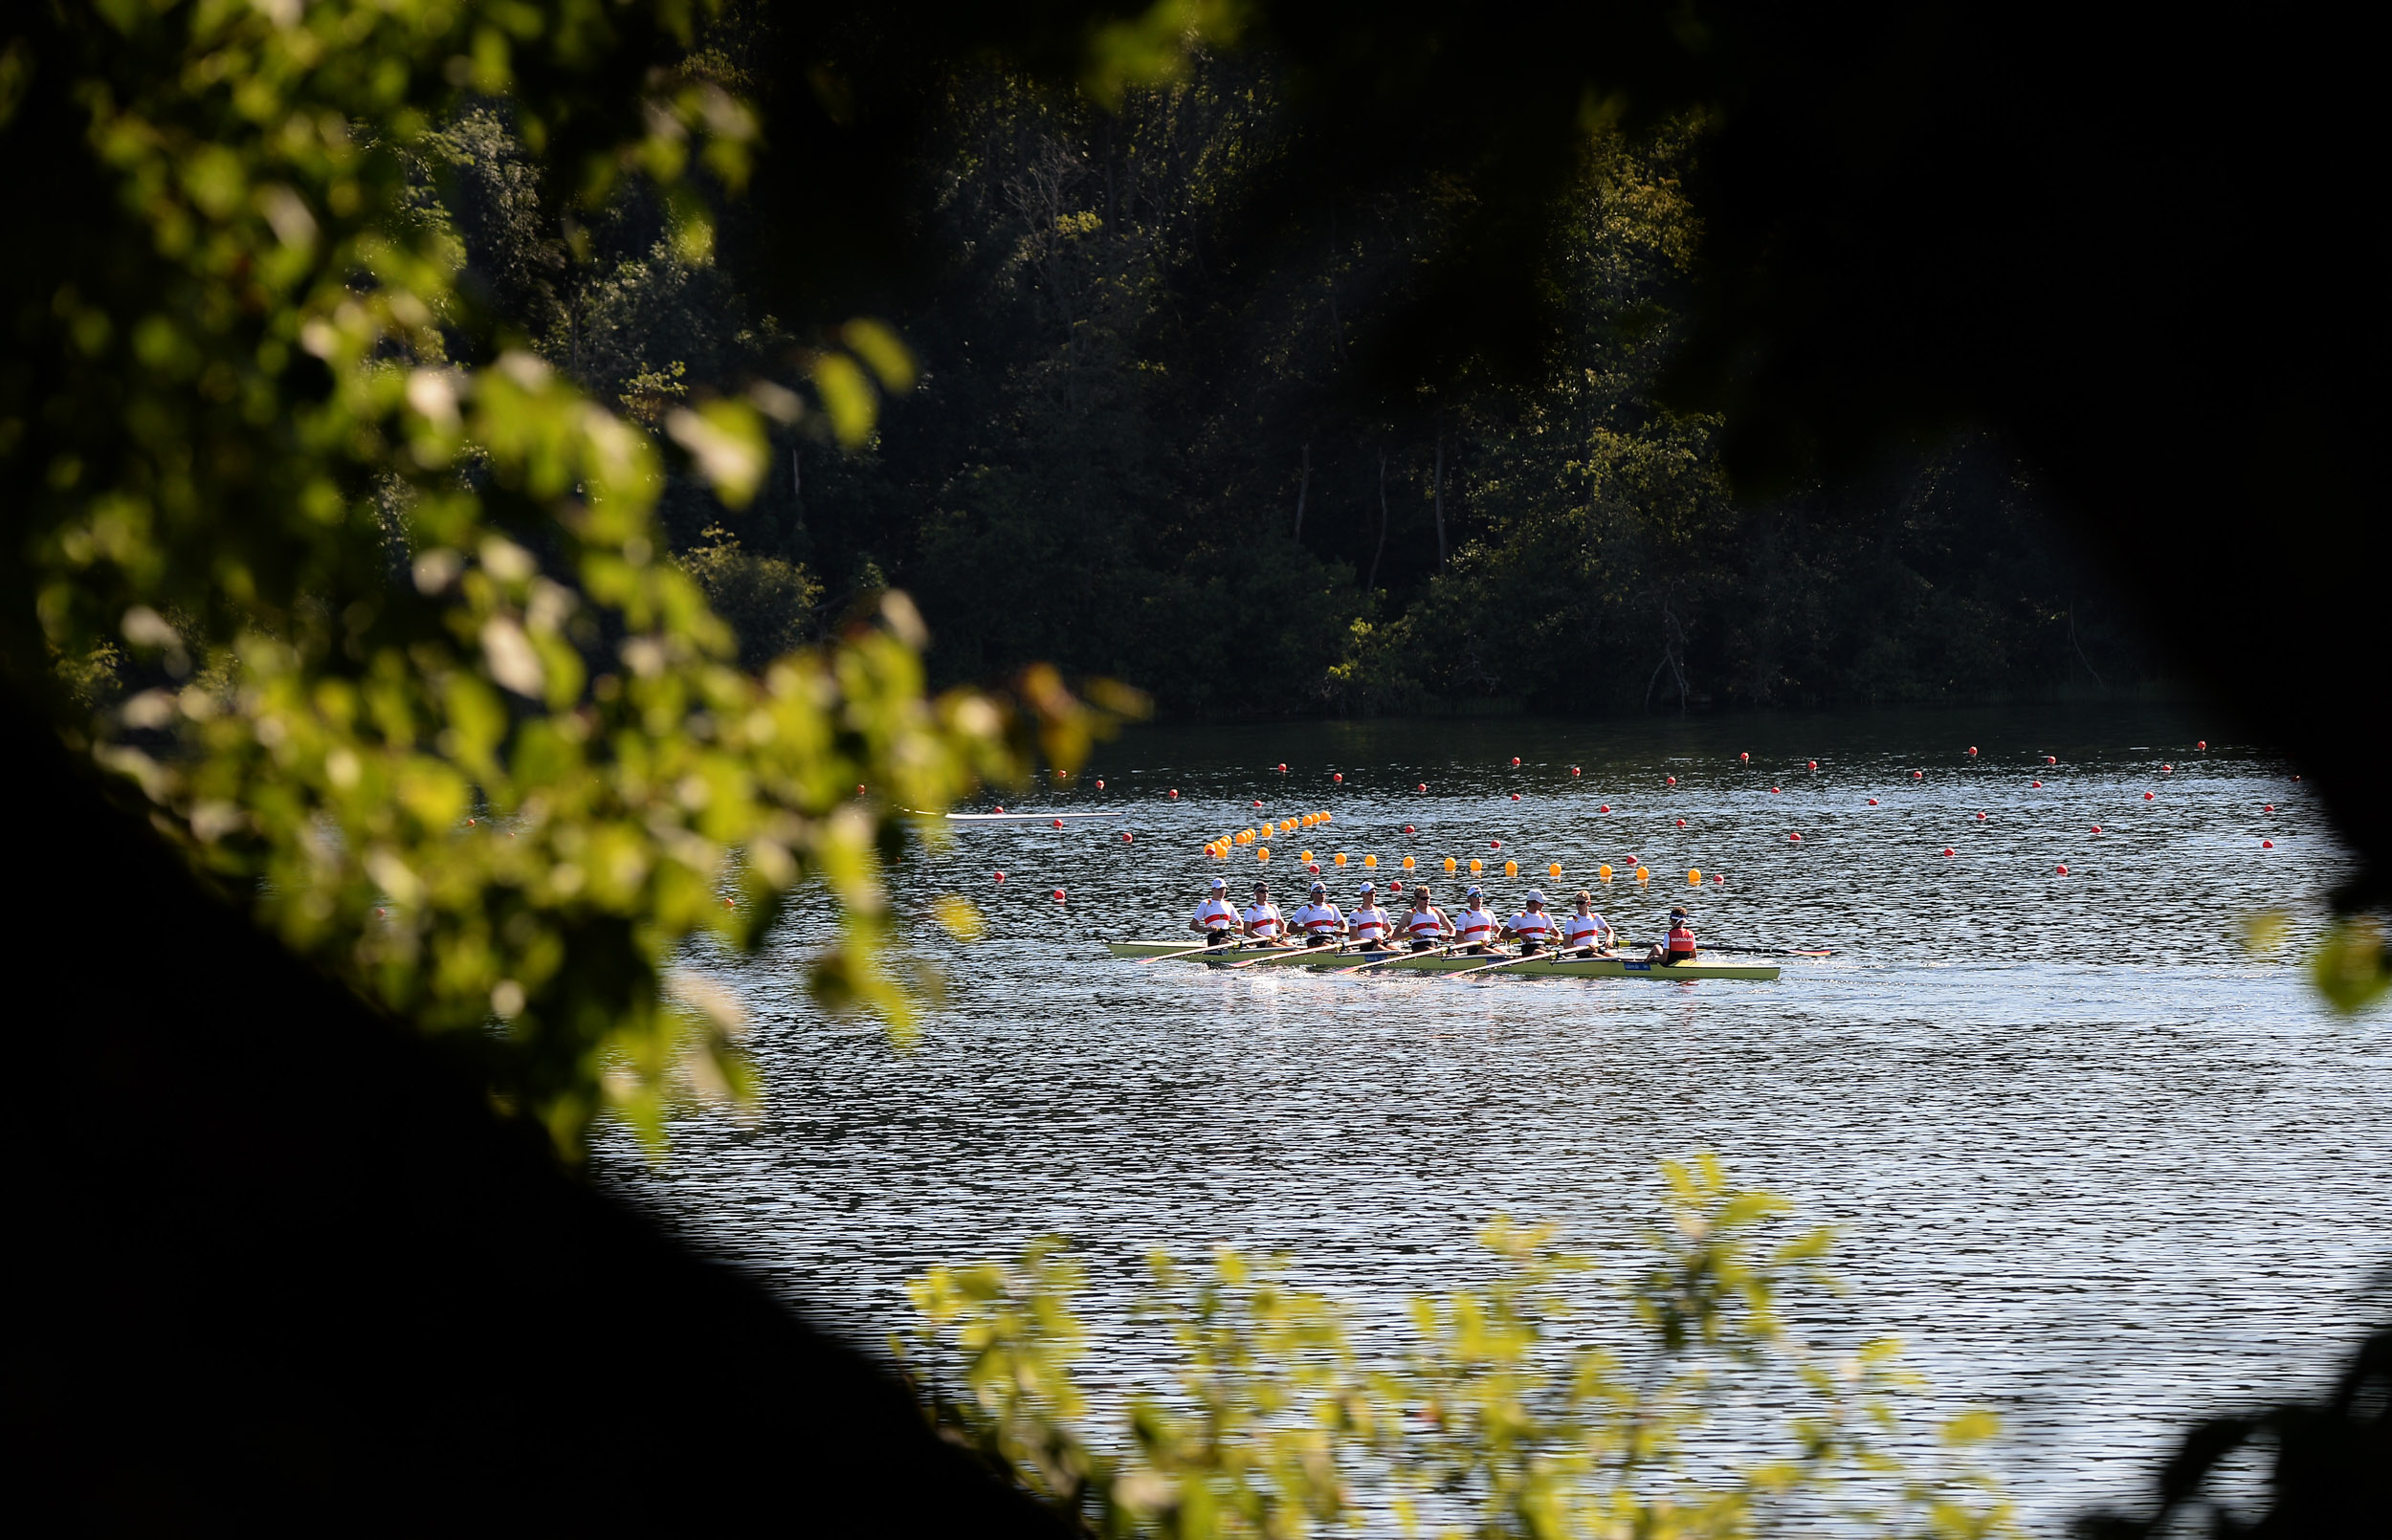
(1554, 871)
(1283, 767)
(2296, 778)
(1262, 852)
(2167, 769)
(1407, 863)
(999, 808)
(1605, 808)
(1423, 786)
(1719, 879)
(727, 904)
(1796, 838)
(1313, 867)
(2146, 795)
(1339, 778)
(1100, 786)
(2200, 743)
(859, 790)
(1515, 761)
(1337, 860)
(1642, 875)
(1694, 876)
(2050, 759)
(1370, 861)
(1058, 822)
(1451, 863)
(1000, 876)
(2267, 845)
(1673, 779)
(2097, 828)
(1258, 804)
(2269, 808)
(1409, 829)
(1773, 791)
(1746, 757)
(1511, 868)
(1980, 818)
(1603, 873)
(2063, 872)
(382, 912)
(469, 822)
(1515, 796)
(1681, 822)
(1125, 838)
(1175, 792)
(1303, 855)
(1476, 866)
(1573, 769)
(1972, 751)
(1947, 849)
(1919, 775)
(1814, 764)
(1058, 895)
(1872, 802)
(1494, 845)
(2034, 782)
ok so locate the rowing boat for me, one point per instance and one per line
(1557, 967)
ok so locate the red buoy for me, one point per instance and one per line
(1058, 822)
(1872, 802)
(2063, 872)
(2267, 845)
(1283, 767)
(1058, 895)
(1681, 822)
(2167, 769)
(1339, 778)
(1746, 757)
(1515, 796)
(2097, 828)
(2146, 795)
(1258, 804)
(859, 790)
(1100, 786)
(1175, 793)
(1423, 786)
(1573, 769)
(999, 808)
(1814, 764)
(1673, 780)
(1515, 761)
(1494, 845)
(1000, 876)
(1796, 838)
(1947, 849)
(2034, 782)
(1980, 818)
(2050, 759)
(1125, 837)
(1605, 808)
(1972, 751)
(1407, 829)
(2200, 743)
(1773, 791)
(2269, 808)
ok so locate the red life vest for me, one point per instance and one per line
(1682, 940)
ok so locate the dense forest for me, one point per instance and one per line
(1149, 438)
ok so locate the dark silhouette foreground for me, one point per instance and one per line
(276, 1260)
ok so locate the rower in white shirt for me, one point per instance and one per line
(1263, 920)
(1215, 921)
(1473, 925)
(1532, 928)
(1425, 925)
(1318, 922)
(1369, 925)
(1584, 930)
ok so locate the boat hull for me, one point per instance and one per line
(1405, 963)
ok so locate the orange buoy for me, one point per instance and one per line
(1407, 863)
(1476, 866)
(1451, 863)
(1511, 868)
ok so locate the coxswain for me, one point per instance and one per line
(1473, 925)
(1678, 946)
(1368, 924)
(1262, 918)
(1532, 928)
(1215, 921)
(1318, 922)
(1425, 925)
(1584, 930)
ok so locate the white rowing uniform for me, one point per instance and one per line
(1317, 919)
(1425, 924)
(1474, 926)
(1583, 931)
(1216, 916)
(1369, 923)
(1533, 925)
(1265, 920)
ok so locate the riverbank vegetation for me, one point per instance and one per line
(1505, 1415)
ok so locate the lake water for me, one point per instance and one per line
(2101, 1168)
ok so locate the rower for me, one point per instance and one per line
(1369, 925)
(1533, 927)
(1474, 925)
(1425, 925)
(1262, 917)
(1318, 922)
(1679, 945)
(1215, 921)
(1584, 930)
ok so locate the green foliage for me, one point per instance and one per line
(1499, 1420)
(407, 657)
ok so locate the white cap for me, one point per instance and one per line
(1536, 898)
(1320, 888)
(1370, 887)
(1219, 884)
(1473, 893)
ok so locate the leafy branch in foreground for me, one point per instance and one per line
(1495, 1420)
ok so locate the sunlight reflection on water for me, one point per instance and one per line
(2101, 1170)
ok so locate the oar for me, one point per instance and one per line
(1284, 953)
(1772, 951)
(1546, 955)
(1166, 956)
(1432, 951)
